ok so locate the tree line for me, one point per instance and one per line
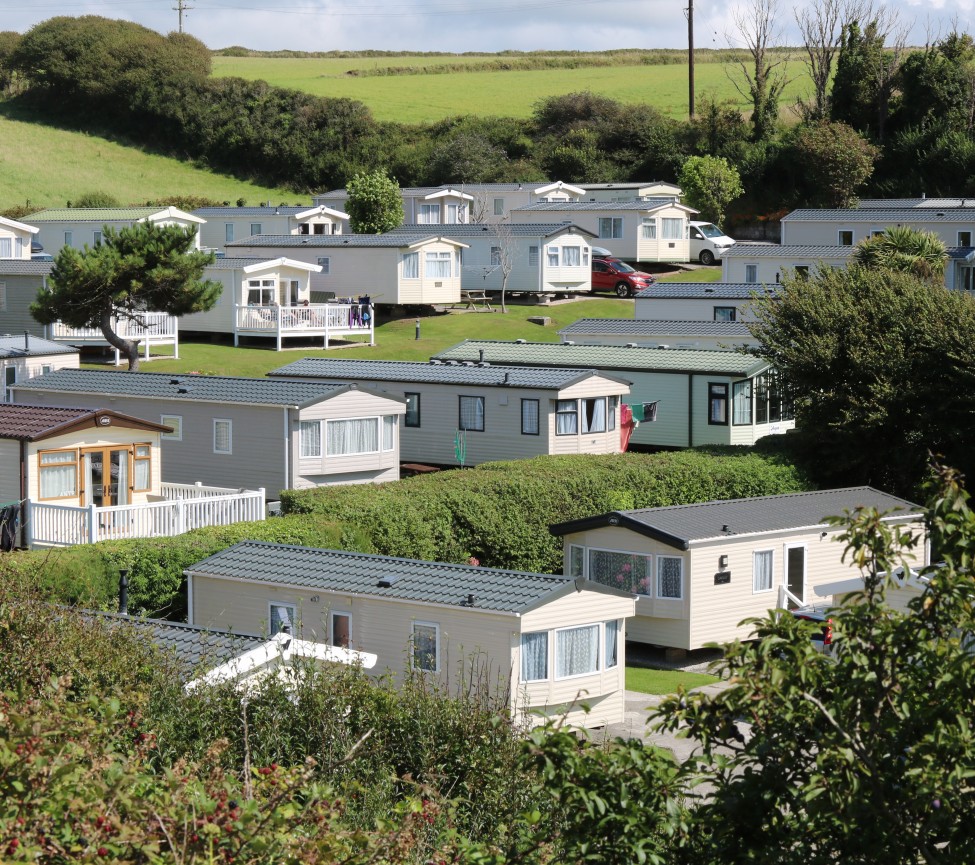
(882, 120)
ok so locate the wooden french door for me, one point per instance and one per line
(795, 573)
(106, 476)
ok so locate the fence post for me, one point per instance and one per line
(92, 524)
(180, 516)
(261, 508)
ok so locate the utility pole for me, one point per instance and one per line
(181, 7)
(689, 12)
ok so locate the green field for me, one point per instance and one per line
(428, 98)
(51, 166)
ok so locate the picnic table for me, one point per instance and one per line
(471, 299)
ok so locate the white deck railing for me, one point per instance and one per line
(149, 328)
(186, 507)
(328, 320)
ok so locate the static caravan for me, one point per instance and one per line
(551, 642)
(224, 225)
(699, 301)
(15, 239)
(20, 283)
(847, 227)
(84, 226)
(652, 230)
(542, 258)
(456, 204)
(22, 357)
(474, 413)
(698, 570)
(653, 333)
(630, 191)
(390, 268)
(768, 263)
(683, 397)
(235, 432)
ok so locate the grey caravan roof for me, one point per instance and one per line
(281, 210)
(25, 267)
(437, 372)
(775, 250)
(921, 203)
(880, 216)
(654, 327)
(465, 231)
(704, 290)
(27, 345)
(469, 188)
(612, 357)
(174, 386)
(388, 577)
(568, 206)
(336, 241)
(680, 526)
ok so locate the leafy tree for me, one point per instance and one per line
(716, 127)
(9, 40)
(375, 204)
(839, 161)
(938, 85)
(878, 364)
(710, 184)
(862, 757)
(95, 198)
(576, 157)
(137, 268)
(906, 249)
(466, 158)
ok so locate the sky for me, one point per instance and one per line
(457, 25)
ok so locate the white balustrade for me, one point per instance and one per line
(319, 319)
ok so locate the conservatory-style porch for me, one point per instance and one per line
(327, 320)
(151, 330)
(180, 508)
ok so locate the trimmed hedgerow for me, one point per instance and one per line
(499, 513)
(88, 575)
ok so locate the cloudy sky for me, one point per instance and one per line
(455, 25)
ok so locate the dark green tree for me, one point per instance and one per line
(710, 184)
(938, 85)
(9, 40)
(862, 757)
(905, 249)
(140, 268)
(878, 363)
(375, 204)
(838, 162)
(95, 198)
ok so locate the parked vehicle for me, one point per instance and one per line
(611, 274)
(822, 636)
(708, 242)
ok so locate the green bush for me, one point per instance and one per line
(499, 513)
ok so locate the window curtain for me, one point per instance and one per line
(356, 436)
(625, 571)
(6, 247)
(649, 228)
(472, 413)
(669, 577)
(577, 651)
(282, 614)
(59, 481)
(742, 402)
(529, 417)
(425, 647)
(762, 571)
(613, 407)
(595, 415)
(143, 465)
(89, 479)
(389, 432)
(672, 228)
(566, 418)
(438, 265)
(411, 265)
(553, 256)
(122, 494)
(222, 436)
(534, 656)
(612, 643)
(311, 438)
(571, 256)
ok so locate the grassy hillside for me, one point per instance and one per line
(414, 98)
(50, 166)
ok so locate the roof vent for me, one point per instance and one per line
(507, 378)
(388, 582)
(569, 342)
(435, 361)
(521, 341)
(663, 346)
(182, 390)
(631, 345)
(469, 363)
(725, 529)
(471, 600)
(452, 363)
(174, 381)
(709, 291)
(484, 363)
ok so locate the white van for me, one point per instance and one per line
(708, 242)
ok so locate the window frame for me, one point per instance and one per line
(526, 404)
(167, 420)
(599, 659)
(325, 263)
(650, 565)
(75, 462)
(411, 258)
(747, 384)
(552, 256)
(256, 225)
(959, 238)
(270, 617)
(584, 428)
(771, 581)
(751, 274)
(712, 397)
(426, 210)
(732, 312)
(460, 412)
(96, 238)
(839, 236)
(567, 254)
(673, 223)
(499, 207)
(648, 228)
(614, 223)
(495, 256)
(559, 412)
(387, 424)
(69, 238)
(533, 258)
(658, 594)
(438, 258)
(521, 649)
(228, 232)
(379, 433)
(230, 435)
(436, 646)
(302, 425)
(617, 625)
(136, 461)
(412, 396)
(332, 615)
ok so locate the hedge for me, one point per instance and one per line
(499, 513)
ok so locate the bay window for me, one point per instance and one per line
(429, 214)
(534, 656)
(612, 631)
(411, 265)
(741, 403)
(576, 651)
(389, 432)
(672, 229)
(352, 436)
(630, 572)
(58, 474)
(649, 228)
(567, 417)
(571, 256)
(670, 577)
(594, 415)
(438, 265)
(552, 252)
(310, 435)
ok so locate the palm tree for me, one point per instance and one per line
(910, 250)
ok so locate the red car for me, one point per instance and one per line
(611, 274)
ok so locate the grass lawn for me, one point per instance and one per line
(396, 340)
(514, 93)
(50, 166)
(700, 274)
(664, 681)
